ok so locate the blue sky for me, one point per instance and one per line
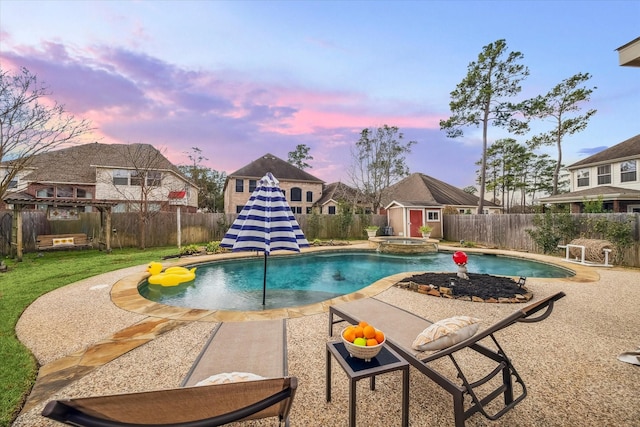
(241, 79)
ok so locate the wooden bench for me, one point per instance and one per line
(46, 242)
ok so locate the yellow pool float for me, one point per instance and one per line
(172, 276)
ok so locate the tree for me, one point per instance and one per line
(300, 156)
(210, 182)
(147, 184)
(479, 98)
(470, 189)
(378, 160)
(558, 106)
(508, 161)
(29, 124)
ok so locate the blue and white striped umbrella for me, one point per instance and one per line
(265, 224)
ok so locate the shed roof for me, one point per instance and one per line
(422, 190)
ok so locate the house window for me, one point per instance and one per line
(332, 210)
(13, 183)
(120, 177)
(309, 196)
(83, 194)
(583, 177)
(296, 209)
(252, 185)
(45, 192)
(239, 208)
(296, 194)
(433, 216)
(136, 178)
(154, 178)
(604, 174)
(119, 208)
(628, 171)
(309, 210)
(64, 192)
(239, 186)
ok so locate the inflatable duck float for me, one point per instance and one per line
(172, 276)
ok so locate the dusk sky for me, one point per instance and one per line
(241, 79)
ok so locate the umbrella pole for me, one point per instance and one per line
(264, 283)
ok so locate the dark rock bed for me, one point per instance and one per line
(479, 287)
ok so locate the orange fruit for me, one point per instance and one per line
(379, 336)
(372, 342)
(349, 334)
(362, 324)
(369, 331)
(359, 331)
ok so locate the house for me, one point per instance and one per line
(611, 174)
(83, 177)
(300, 188)
(335, 193)
(629, 54)
(420, 200)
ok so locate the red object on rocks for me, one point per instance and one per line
(460, 258)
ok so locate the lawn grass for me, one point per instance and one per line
(25, 282)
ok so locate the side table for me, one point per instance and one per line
(386, 361)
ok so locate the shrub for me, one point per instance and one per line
(213, 247)
(190, 250)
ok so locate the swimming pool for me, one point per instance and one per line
(302, 279)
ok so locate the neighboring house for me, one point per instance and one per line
(82, 177)
(335, 193)
(629, 54)
(300, 188)
(611, 174)
(420, 200)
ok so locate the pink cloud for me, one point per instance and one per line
(133, 97)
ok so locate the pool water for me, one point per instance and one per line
(302, 279)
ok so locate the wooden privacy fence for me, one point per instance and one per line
(162, 229)
(499, 231)
(509, 231)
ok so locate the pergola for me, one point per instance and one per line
(20, 200)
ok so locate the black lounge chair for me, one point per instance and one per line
(402, 327)
(208, 405)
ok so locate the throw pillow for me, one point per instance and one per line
(446, 333)
(229, 377)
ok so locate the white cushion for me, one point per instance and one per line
(229, 377)
(446, 333)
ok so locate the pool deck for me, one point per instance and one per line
(145, 321)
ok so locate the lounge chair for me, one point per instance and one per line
(256, 348)
(401, 329)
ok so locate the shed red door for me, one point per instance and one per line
(415, 221)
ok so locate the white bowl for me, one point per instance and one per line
(362, 352)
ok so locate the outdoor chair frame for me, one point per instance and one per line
(200, 406)
(401, 327)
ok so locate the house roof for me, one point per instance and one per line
(337, 191)
(607, 192)
(625, 150)
(629, 53)
(283, 171)
(77, 164)
(422, 190)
